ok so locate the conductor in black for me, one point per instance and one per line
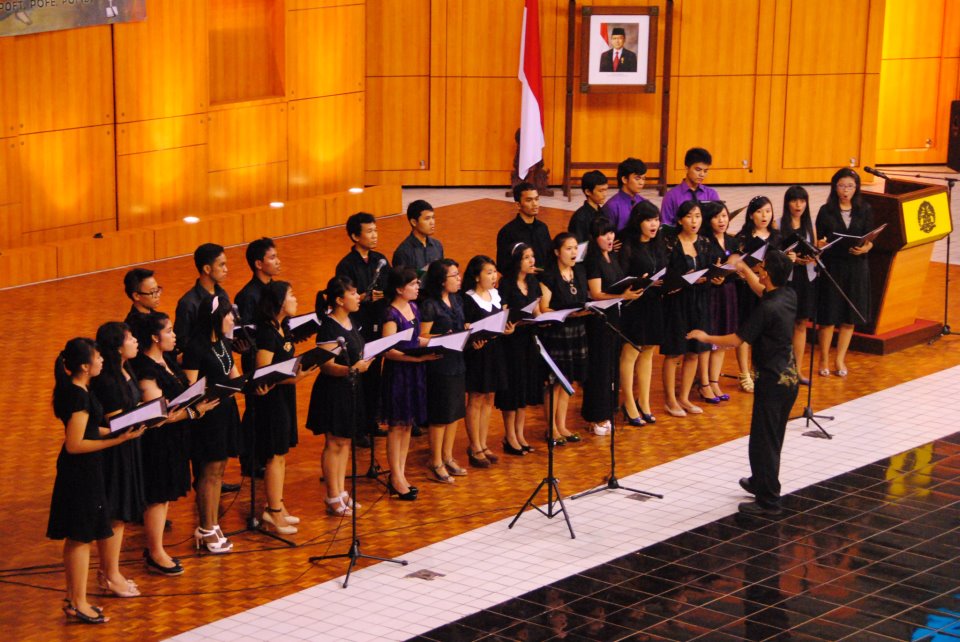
(768, 331)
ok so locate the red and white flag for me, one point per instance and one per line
(531, 80)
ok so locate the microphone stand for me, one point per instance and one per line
(550, 481)
(612, 482)
(808, 413)
(945, 331)
(354, 553)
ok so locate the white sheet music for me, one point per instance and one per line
(148, 412)
(604, 304)
(693, 276)
(455, 341)
(288, 367)
(295, 322)
(556, 315)
(374, 348)
(191, 393)
(494, 323)
(530, 308)
(582, 251)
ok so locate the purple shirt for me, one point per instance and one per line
(617, 208)
(680, 194)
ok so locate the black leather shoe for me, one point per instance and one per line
(747, 486)
(229, 488)
(753, 508)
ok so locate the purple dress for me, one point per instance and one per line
(404, 384)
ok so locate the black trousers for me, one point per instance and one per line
(771, 409)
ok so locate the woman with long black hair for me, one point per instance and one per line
(722, 308)
(79, 510)
(797, 222)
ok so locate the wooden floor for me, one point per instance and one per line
(40, 318)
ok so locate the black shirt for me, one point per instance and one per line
(412, 253)
(769, 331)
(248, 299)
(565, 294)
(536, 235)
(580, 222)
(366, 277)
(596, 267)
(446, 320)
(134, 317)
(187, 307)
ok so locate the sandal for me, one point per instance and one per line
(73, 612)
(491, 457)
(336, 507)
(349, 502)
(477, 460)
(202, 537)
(721, 396)
(440, 475)
(454, 468)
(132, 590)
(746, 381)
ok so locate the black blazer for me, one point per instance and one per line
(628, 60)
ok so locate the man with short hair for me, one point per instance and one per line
(697, 160)
(142, 289)
(420, 248)
(264, 263)
(769, 331)
(594, 185)
(211, 263)
(617, 58)
(525, 228)
(631, 176)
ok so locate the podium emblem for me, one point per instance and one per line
(926, 217)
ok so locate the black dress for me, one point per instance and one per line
(216, 435)
(165, 450)
(747, 299)
(524, 366)
(642, 319)
(275, 413)
(567, 343)
(687, 309)
(78, 507)
(486, 367)
(122, 464)
(601, 390)
(446, 377)
(852, 273)
(330, 398)
(800, 279)
(723, 312)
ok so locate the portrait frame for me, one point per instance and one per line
(640, 28)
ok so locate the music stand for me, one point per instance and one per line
(612, 482)
(551, 482)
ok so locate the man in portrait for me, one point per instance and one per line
(617, 58)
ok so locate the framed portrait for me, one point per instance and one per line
(618, 50)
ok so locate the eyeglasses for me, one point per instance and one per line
(455, 275)
(153, 293)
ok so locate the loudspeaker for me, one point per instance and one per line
(953, 142)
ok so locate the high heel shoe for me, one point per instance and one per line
(491, 457)
(527, 448)
(510, 450)
(650, 419)
(440, 475)
(202, 537)
(290, 518)
(131, 588)
(706, 399)
(574, 438)
(746, 381)
(349, 502)
(267, 517)
(455, 469)
(676, 412)
(336, 507)
(477, 460)
(631, 421)
(154, 567)
(721, 397)
(409, 496)
(74, 613)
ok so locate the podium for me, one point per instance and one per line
(917, 215)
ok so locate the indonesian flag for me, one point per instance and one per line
(531, 80)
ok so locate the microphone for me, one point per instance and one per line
(382, 263)
(342, 343)
(876, 172)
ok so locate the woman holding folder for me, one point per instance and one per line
(601, 390)
(643, 254)
(117, 391)
(563, 286)
(486, 366)
(79, 511)
(722, 307)
(337, 405)
(166, 449)
(845, 212)
(519, 290)
(442, 313)
(685, 310)
(217, 435)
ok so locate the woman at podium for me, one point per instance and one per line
(845, 212)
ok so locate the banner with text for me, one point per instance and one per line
(19, 17)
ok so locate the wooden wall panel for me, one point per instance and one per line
(319, 4)
(64, 79)
(951, 29)
(829, 39)
(253, 186)
(719, 38)
(113, 250)
(610, 126)
(246, 41)
(908, 116)
(179, 239)
(325, 51)
(27, 265)
(161, 186)
(483, 38)
(399, 32)
(9, 123)
(68, 177)
(9, 170)
(912, 33)
(162, 63)
(326, 145)
(810, 139)
(67, 232)
(163, 133)
(247, 136)
(299, 216)
(11, 226)
(397, 129)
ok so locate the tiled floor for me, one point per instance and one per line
(869, 548)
